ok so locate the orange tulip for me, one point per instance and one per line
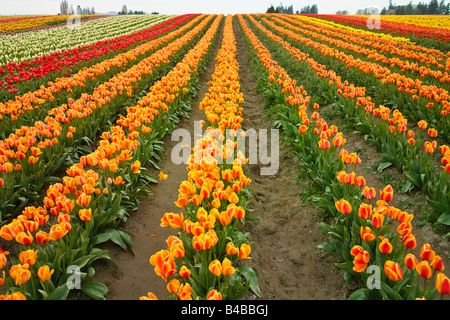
(3, 259)
(393, 270)
(184, 272)
(426, 253)
(136, 166)
(377, 220)
(164, 264)
(149, 296)
(214, 295)
(244, 251)
(83, 200)
(173, 286)
(369, 193)
(409, 240)
(85, 214)
(162, 176)
(424, 269)
(24, 238)
(44, 273)
(387, 193)
(215, 267)
(365, 211)
(185, 292)
(343, 206)
(437, 263)
(385, 246)
(442, 284)
(57, 231)
(173, 220)
(361, 259)
(20, 273)
(367, 234)
(42, 237)
(227, 269)
(231, 249)
(410, 261)
(28, 257)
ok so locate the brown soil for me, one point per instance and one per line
(285, 237)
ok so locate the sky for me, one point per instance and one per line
(29, 7)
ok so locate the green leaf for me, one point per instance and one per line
(359, 294)
(328, 247)
(251, 276)
(444, 219)
(95, 290)
(390, 293)
(59, 293)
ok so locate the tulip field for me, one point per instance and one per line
(93, 205)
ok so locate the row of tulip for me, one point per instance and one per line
(31, 45)
(204, 259)
(419, 100)
(392, 27)
(431, 21)
(99, 192)
(31, 155)
(398, 145)
(349, 42)
(361, 231)
(31, 22)
(59, 89)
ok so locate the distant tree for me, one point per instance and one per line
(342, 12)
(271, 9)
(92, 10)
(433, 7)
(64, 7)
(124, 9)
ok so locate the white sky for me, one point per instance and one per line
(24, 7)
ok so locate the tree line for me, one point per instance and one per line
(66, 9)
(290, 9)
(433, 7)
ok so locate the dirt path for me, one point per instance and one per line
(136, 276)
(285, 257)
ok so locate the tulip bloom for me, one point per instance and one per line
(426, 253)
(29, 257)
(369, 193)
(215, 267)
(377, 220)
(44, 273)
(164, 264)
(437, 263)
(387, 193)
(85, 214)
(343, 206)
(411, 261)
(409, 240)
(173, 286)
(361, 259)
(385, 246)
(3, 259)
(424, 269)
(393, 270)
(442, 284)
(365, 211)
(185, 292)
(231, 249)
(173, 220)
(367, 234)
(227, 269)
(184, 272)
(162, 175)
(244, 251)
(149, 296)
(214, 295)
